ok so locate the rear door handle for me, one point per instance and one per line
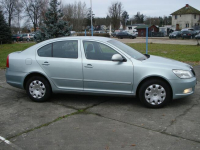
(46, 63)
(88, 66)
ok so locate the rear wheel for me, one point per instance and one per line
(38, 89)
(155, 93)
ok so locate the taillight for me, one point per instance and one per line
(7, 62)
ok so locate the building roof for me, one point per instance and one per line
(187, 9)
(144, 26)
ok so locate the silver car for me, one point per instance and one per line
(98, 65)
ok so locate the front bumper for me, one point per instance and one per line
(179, 85)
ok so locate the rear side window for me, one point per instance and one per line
(45, 51)
(65, 49)
(62, 49)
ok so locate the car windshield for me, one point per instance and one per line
(127, 49)
(175, 32)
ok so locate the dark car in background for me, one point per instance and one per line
(122, 35)
(114, 34)
(188, 34)
(17, 37)
(28, 37)
(175, 34)
(197, 36)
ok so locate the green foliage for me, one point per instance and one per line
(5, 33)
(54, 26)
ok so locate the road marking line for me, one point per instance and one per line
(9, 143)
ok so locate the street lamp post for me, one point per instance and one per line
(91, 18)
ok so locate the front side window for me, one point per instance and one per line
(195, 16)
(45, 51)
(98, 51)
(65, 49)
(175, 16)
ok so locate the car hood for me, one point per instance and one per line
(166, 62)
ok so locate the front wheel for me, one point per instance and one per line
(38, 89)
(155, 93)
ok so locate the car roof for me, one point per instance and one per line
(103, 39)
(96, 38)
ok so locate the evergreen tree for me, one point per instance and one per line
(5, 33)
(54, 26)
(125, 17)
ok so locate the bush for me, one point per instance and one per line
(95, 34)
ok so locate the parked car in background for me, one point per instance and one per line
(187, 29)
(175, 34)
(197, 31)
(188, 34)
(99, 32)
(197, 36)
(73, 33)
(28, 37)
(98, 65)
(122, 35)
(17, 37)
(114, 34)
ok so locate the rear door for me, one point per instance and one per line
(62, 63)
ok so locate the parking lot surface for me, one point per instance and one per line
(84, 122)
(160, 40)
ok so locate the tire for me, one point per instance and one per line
(40, 89)
(155, 93)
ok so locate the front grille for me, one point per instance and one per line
(193, 71)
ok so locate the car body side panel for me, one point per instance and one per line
(107, 76)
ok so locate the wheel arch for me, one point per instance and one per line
(153, 77)
(28, 76)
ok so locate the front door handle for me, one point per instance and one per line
(88, 66)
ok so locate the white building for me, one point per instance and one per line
(186, 17)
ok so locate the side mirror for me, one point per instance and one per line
(117, 57)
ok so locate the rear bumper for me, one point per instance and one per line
(178, 86)
(15, 78)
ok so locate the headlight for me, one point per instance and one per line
(183, 74)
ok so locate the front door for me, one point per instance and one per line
(177, 26)
(103, 75)
(61, 61)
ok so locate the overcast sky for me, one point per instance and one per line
(147, 7)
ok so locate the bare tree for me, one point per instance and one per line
(75, 14)
(33, 10)
(115, 11)
(9, 7)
